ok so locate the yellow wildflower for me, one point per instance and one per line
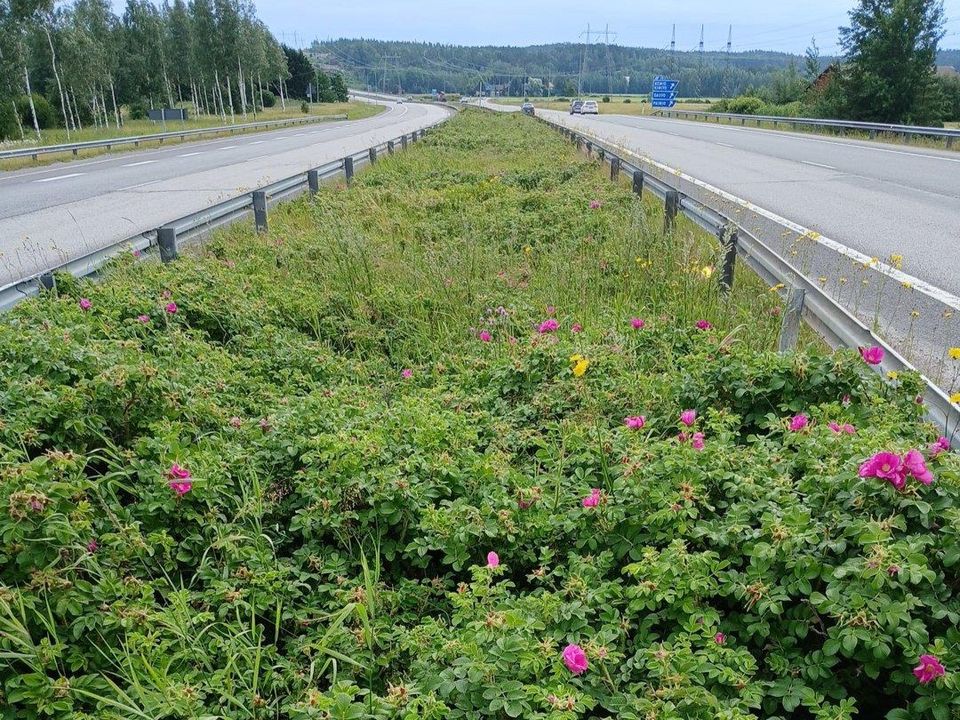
(915, 313)
(581, 367)
(907, 284)
(707, 271)
(777, 288)
(954, 353)
(527, 250)
(574, 359)
(955, 398)
(893, 375)
(897, 261)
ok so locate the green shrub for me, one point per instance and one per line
(627, 100)
(269, 99)
(605, 98)
(305, 108)
(46, 115)
(330, 557)
(137, 111)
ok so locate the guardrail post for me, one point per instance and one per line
(403, 142)
(389, 147)
(638, 182)
(728, 244)
(614, 168)
(260, 210)
(373, 156)
(589, 146)
(601, 154)
(348, 169)
(313, 180)
(790, 329)
(47, 281)
(873, 134)
(949, 142)
(167, 242)
(671, 204)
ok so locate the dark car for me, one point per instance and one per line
(576, 107)
(527, 109)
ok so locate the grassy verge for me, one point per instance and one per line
(132, 128)
(376, 463)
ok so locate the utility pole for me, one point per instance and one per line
(673, 51)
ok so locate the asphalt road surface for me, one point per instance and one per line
(866, 200)
(53, 214)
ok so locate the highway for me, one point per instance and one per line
(53, 214)
(861, 199)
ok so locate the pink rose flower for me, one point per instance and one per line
(551, 310)
(872, 355)
(144, 319)
(485, 336)
(688, 417)
(704, 325)
(886, 466)
(575, 659)
(914, 464)
(180, 481)
(799, 422)
(698, 441)
(92, 546)
(85, 304)
(593, 499)
(929, 669)
(576, 328)
(594, 204)
(719, 638)
(493, 560)
(635, 422)
(171, 308)
(548, 326)
(407, 374)
(637, 323)
(942, 445)
(181, 487)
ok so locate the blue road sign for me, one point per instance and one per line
(657, 95)
(664, 93)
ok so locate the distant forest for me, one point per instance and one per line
(416, 67)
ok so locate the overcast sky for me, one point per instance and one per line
(766, 24)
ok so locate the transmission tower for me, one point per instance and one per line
(673, 51)
(725, 90)
(606, 47)
(700, 66)
(588, 36)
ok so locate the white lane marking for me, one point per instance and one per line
(727, 145)
(228, 147)
(257, 142)
(926, 288)
(819, 165)
(282, 137)
(138, 164)
(59, 177)
(191, 154)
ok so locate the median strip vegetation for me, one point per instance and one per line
(469, 438)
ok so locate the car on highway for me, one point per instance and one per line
(399, 101)
(527, 109)
(576, 107)
(590, 107)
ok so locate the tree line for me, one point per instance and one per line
(559, 67)
(78, 64)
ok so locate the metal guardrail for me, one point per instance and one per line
(167, 240)
(872, 129)
(36, 151)
(804, 299)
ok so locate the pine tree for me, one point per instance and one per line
(891, 48)
(339, 88)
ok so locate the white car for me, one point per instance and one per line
(590, 107)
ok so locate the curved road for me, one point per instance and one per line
(53, 214)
